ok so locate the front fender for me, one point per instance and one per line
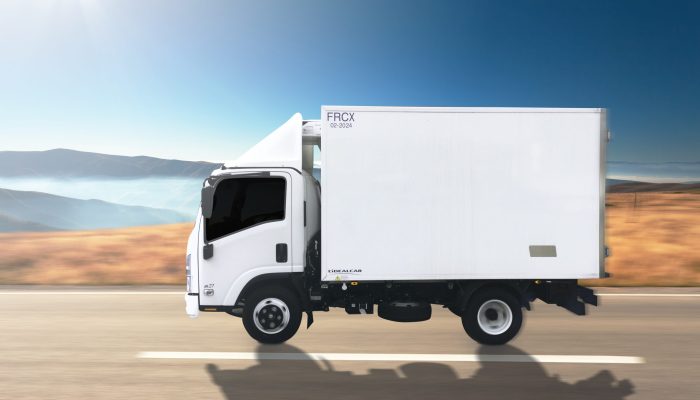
(239, 284)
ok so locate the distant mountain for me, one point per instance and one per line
(613, 182)
(661, 172)
(9, 224)
(631, 187)
(64, 163)
(42, 211)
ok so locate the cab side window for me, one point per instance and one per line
(240, 203)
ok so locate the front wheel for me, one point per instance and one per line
(272, 314)
(493, 316)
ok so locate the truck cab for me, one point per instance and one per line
(257, 219)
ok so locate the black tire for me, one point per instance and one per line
(498, 305)
(274, 301)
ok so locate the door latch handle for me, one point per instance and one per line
(208, 251)
(281, 252)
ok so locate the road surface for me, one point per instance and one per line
(137, 343)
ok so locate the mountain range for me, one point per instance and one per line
(631, 187)
(35, 211)
(11, 224)
(657, 172)
(64, 163)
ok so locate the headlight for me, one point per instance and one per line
(189, 283)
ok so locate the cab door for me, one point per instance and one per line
(249, 233)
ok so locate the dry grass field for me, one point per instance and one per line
(140, 255)
(654, 237)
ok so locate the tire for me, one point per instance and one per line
(493, 316)
(272, 314)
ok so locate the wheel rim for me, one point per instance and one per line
(271, 315)
(494, 317)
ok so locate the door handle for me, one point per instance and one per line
(208, 251)
(281, 252)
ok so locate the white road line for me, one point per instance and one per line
(170, 293)
(125, 292)
(649, 294)
(515, 358)
(85, 293)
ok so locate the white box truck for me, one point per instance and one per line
(478, 210)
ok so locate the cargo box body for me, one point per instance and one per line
(462, 193)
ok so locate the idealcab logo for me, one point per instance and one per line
(345, 271)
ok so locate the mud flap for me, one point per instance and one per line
(309, 318)
(566, 294)
(297, 282)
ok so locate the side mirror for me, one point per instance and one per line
(207, 201)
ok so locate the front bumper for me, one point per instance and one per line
(192, 304)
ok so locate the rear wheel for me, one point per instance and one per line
(493, 316)
(272, 314)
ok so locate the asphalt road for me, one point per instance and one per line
(73, 344)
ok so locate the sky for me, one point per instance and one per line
(205, 80)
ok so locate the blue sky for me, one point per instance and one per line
(204, 80)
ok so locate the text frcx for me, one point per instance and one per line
(342, 117)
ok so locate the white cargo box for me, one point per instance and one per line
(462, 193)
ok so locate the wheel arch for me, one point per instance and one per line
(469, 288)
(290, 280)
